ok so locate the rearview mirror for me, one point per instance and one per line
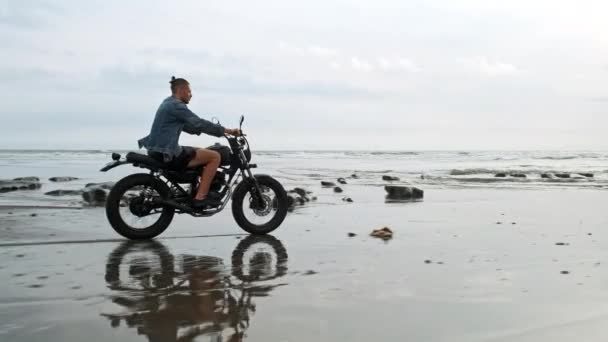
(242, 119)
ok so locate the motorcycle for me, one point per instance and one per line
(142, 205)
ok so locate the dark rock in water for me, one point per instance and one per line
(95, 196)
(295, 198)
(390, 178)
(34, 215)
(328, 184)
(500, 175)
(314, 198)
(565, 272)
(106, 185)
(27, 179)
(588, 175)
(62, 179)
(348, 199)
(24, 183)
(562, 244)
(352, 234)
(518, 175)
(301, 195)
(354, 176)
(300, 192)
(338, 189)
(64, 193)
(403, 192)
(341, 180)
(562, 175)
(428, 262)
(547, 175)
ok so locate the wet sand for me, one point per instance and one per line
(450, 273)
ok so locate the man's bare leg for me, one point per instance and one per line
(211, 160)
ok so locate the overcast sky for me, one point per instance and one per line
(316, 74)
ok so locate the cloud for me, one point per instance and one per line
(308, 51)
(321, 51)
(494, 68)
(399, 63)
(27, 14)
(361, 64)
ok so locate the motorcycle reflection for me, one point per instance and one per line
(196, 296)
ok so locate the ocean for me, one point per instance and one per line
(424, 169)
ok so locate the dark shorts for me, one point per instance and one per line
(178, 163)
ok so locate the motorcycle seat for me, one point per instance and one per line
(137, 158)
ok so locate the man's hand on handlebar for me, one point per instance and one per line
(233, 131)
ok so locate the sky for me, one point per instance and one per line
(316, 74)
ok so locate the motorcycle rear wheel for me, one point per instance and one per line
(120, 204)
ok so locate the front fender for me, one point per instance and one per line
(109, 166)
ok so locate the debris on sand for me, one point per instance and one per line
(382, 233)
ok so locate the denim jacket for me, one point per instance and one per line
(173, 117)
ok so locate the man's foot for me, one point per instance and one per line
(212, 200)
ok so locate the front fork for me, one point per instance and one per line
(254, 187)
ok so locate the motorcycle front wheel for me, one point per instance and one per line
(260, 218)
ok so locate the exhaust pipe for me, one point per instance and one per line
(175, 205)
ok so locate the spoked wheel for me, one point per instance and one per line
(132, 210)
(263, 215)
(136, 266)
(259, 258)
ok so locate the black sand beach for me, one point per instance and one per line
(463, 265)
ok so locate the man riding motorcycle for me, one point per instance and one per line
(162, 144)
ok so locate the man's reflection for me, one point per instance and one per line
(180, 299)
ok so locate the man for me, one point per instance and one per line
(173, 117)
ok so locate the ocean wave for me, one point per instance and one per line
(394, 153)
(558, 157)
(466, 172)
